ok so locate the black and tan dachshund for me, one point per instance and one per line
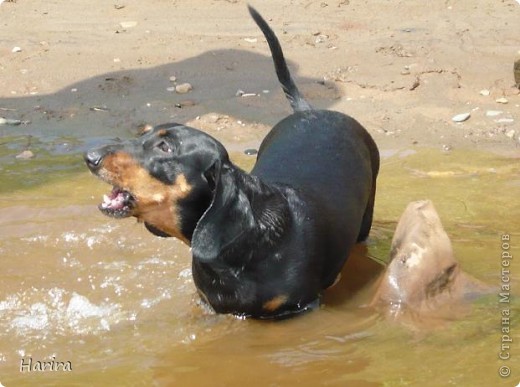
(265, 244)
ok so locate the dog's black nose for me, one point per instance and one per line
(93, 158)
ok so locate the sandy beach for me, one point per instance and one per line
(403, 70)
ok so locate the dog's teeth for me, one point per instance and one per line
(114, 203)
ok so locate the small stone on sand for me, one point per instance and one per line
(183, 88)
(493, 113)
(128, 24)
(461, 117)
(26, 154)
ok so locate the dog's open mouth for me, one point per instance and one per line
(118, 204)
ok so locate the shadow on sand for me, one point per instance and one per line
(129, 98)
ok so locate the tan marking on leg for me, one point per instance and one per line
(155, 202)
(275, 303)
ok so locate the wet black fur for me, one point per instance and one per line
(283, 230)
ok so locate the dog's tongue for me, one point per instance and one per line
(115, 200)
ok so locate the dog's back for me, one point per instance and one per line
(327, 156)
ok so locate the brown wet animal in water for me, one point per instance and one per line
(423, 278)
(265, 244)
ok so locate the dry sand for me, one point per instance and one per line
(403, 69)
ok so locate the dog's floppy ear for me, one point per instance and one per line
(228, 217)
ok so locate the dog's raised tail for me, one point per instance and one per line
(298, 103)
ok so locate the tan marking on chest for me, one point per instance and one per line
(275, 303)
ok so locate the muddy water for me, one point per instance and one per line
(119, 304)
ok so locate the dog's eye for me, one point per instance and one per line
(163, 146)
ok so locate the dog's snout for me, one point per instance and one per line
(93, 158)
